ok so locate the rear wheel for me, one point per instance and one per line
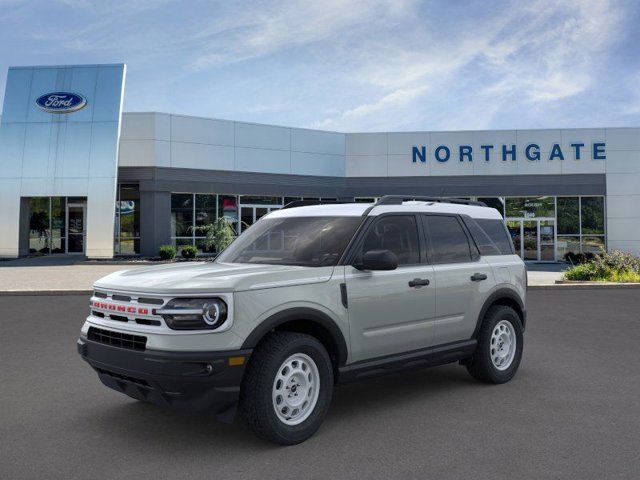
(287, 388)
(500, 342)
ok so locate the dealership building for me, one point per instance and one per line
(79, 176)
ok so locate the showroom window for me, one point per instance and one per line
(127, 227)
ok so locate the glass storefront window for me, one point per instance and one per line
(568, 216)
(228, 208)
(566, 244)
(592, 244)
(530, 207)
(592, 209)
(494, 202)
(181, 214)
(260, 200)
(205, 210)
(127, 227)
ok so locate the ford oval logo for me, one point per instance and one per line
(61, 102)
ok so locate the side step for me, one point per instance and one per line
(427, 357)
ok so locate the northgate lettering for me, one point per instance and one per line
(578, 151)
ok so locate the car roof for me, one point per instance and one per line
(359, 209)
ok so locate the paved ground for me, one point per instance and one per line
(72, 273)
(53, 273)
(572, 412)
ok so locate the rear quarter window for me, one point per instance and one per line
(496, 232)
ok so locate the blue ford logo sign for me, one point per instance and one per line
(61, 102)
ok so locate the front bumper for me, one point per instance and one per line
(194, 381)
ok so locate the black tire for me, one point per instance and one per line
(256, 404)
(481, 366)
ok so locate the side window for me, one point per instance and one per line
(397, 233)
(448, 241)
(497, 232)
(484, 243)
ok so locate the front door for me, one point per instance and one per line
(534, 239)
(76, 228)
(386, 314)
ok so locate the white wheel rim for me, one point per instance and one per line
(296, 389)
(503, 345)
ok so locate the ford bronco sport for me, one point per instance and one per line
(310, 297)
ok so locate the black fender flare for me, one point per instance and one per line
(297, 314)
(501, 293)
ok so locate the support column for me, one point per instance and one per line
(155, 221)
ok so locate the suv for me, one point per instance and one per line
(310, 297)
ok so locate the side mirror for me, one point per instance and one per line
(378, 260)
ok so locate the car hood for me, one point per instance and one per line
(209, 277)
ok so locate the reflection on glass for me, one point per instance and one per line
(205, 210)
(530, 207)
(592, 244)
(592, 215)
(568, 216)
(547, 242)
(181, 214)
(228, 208)
(516, 235)
(568, 244)
(530, 239)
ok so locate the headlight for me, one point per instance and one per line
(194, 313)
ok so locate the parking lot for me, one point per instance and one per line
(573, 410)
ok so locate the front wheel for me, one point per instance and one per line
(499, 351)
(287, 388)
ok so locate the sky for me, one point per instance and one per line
(351, 65)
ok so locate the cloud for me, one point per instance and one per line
(542, 54)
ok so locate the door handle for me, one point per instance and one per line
(478, 277)
(419, 282)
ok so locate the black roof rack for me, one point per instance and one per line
(400, 199)
(306, 203)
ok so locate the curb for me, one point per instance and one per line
(586, 286)
(23, 293)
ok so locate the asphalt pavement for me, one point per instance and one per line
(572, 411)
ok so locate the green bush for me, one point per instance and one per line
(189, 251)
(167, 252)
(615, 266)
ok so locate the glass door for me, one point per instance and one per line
(250, 214)
(533, 239)
(530, 239)
(547, 240)
(515, 230)
(75, 227)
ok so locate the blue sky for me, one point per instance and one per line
(351, 65)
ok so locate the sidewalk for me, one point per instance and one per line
(74, 275)
(53, 274)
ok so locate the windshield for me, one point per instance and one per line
(303, 241)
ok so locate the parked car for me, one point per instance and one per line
(310, 297)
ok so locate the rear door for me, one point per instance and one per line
(463, 279)
(390, 311)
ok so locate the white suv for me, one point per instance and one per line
(309, 297)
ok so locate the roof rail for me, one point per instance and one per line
(400, 199)
(306, 203)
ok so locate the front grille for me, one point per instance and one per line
(117, 339)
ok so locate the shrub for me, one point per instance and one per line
(614, 266)
(167, 252)
(189, 251)
(219, 234)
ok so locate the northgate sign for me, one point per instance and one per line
(532, 152)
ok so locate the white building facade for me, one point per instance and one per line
(97, 183)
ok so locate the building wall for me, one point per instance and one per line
(176, 141)
(73, 154)
(235, 157)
